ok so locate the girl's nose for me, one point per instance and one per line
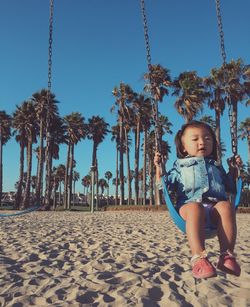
(201, 141)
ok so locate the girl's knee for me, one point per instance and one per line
(222, 210)
(192, 209)
(224, 207)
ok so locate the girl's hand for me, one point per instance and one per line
(234, 163)
(238, 161)
(158, 164)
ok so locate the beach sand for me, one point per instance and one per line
(115, 258)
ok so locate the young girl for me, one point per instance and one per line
(198, 179)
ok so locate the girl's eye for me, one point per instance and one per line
(207, 138)
(194, 139)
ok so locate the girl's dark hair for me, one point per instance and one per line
(196, 124)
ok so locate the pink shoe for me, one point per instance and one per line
(202, 268)
(227, 263)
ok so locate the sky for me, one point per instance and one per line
(96, 45)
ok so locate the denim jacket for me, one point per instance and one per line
(198, 178)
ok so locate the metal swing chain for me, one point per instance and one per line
(232, 119)
(148, 56)
(48, 135)
(146, 36)
(50, 44)
(49, 63)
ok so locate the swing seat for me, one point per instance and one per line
(178, 220)
(28, 210)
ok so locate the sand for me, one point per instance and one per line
(111, 259)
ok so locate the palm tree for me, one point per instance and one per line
(57, 136)
(216, 101)
(55, 185)
(146, 122)
(159, 81)
(116, 137)
(108, 175)
(76, 177)
(21, 138)
(189, 89)
(236, 81)
(164, 126)
(97, 129)
(151, 171)
(76, 130)
(54, 128)
(5, 133)
(45, 106)
(102, 183)
(26, 113)
(244, 133)
(141, 109)
(124, 96)
(127, 143)
(208, 120)
(59, 173)
(86, 182)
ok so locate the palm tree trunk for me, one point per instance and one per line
(151, 181)
(97, 185)
(60, 192)
(20, 181)
(121, 164)
(48, 173)
(74, 191)
(137, 151)
(93, 175)
(116, 177)
(54, 196)
(65, 196)
(144, 167)
(108, 194)
(128, 168)
(39, 184)
(71, 176)
(26, 200)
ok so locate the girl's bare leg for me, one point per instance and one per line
(223, 215)
(194, 215)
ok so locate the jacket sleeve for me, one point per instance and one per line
(228, 181)
(171, 179)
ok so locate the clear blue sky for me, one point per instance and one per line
(97, 44)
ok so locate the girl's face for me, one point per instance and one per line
(197, 142)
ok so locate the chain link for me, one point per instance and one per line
(50, 44)
(233, 130)
(148, 56)
(231, 115)
(220, 27)
(146, 36)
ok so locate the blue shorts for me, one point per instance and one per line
(208, 209)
